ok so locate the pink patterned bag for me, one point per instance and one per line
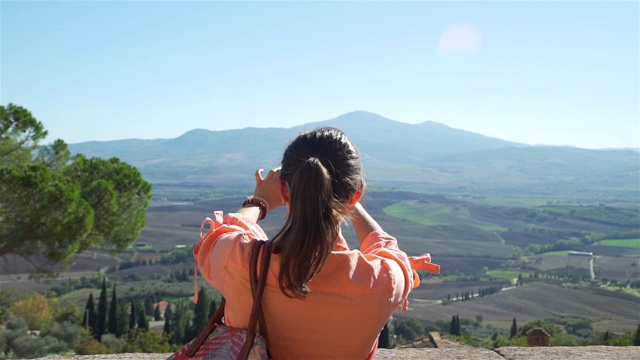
(221, 342)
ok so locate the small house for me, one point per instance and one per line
(538, 337)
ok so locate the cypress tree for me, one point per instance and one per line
(200, 318)
(636, 339)
(186, 337)
(143, 324)
(156, 313)
(123, 320)
(90, 315)
(212, 307)
(148, 306)
(168, 321)
(452, 325)
(101, 325)
(514, 328)
(113, 313)
(132, 316)
(384, 339)
(458, 329)
(178, 323)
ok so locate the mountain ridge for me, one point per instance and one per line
(427, 157)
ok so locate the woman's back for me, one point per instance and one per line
(350, 300)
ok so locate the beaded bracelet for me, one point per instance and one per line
(259, 202)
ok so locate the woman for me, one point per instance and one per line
(321, 300)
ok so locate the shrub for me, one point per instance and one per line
(409, 329)
(114, 344)
(35, 310)
(69, 334)
(140, 341)
(15, 328)
(92, 347)
(27, 347)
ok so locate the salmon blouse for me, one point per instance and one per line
(351, 298)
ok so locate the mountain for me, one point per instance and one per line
(427, 157)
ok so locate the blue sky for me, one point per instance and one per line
(553, 73)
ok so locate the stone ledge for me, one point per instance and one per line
(457, 353)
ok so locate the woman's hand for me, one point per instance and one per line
(268, 187)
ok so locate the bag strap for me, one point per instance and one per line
(266, 260)
(257, 290)
(217, 316)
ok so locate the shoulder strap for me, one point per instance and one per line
(255, 287)
(257, 290)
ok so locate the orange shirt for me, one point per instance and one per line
(351, 298)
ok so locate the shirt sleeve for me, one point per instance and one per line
(233, 233)
(381, 244)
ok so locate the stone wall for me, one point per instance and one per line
(453, 353)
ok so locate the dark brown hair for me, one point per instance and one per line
(323, 171)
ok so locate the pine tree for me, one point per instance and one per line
(132, 316)
(514, 328)
(113, 313)
(90, 315)
(101, 324)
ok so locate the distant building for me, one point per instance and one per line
(581, 253)
(180, 246)
(538, 337)
(162, 306)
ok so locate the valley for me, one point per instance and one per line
(479, 244)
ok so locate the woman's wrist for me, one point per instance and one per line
(259, 202)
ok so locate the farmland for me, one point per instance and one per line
(484, 243)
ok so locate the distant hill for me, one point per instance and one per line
(427, 157)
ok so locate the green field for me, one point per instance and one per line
(630, 243)
(430, 213)
(558, 253)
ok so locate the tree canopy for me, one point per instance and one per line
(54, 205)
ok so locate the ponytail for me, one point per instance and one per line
(322, 169)
(302, 243)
